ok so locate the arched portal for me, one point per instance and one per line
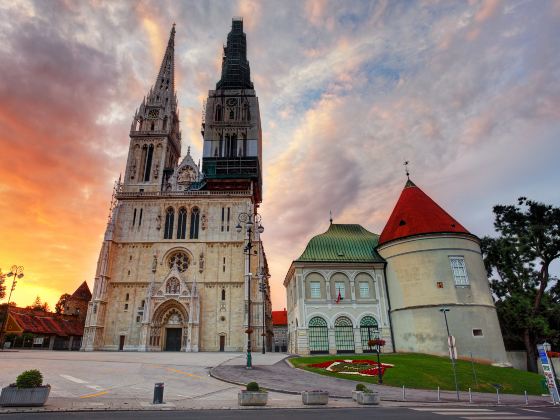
(318, 335)
(169, 326)
(343, 335)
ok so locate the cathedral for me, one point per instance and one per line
(182, 266)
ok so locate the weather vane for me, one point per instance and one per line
(406, 170)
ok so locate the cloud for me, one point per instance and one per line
(468, 92)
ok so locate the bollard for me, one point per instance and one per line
(403, 393)
(470, 396)
(158, 393)
(526, 398)
(438, 394)
(498, 394)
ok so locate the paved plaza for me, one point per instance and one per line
(125, 381)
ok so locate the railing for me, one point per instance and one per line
(148, 194)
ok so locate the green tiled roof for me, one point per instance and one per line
(342, 243)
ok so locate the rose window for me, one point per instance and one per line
(181, 260)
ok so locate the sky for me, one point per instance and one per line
(467, 91)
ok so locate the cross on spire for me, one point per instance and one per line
(406, 170)
(330, 218)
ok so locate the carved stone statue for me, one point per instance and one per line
(154, 264)
(201, 262)
(158, 222)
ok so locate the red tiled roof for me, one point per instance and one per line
(82, 292)
(280, 317)
(40, 322)
(415, 213)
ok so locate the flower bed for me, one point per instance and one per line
(353, 367)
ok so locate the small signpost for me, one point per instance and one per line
(548, 374)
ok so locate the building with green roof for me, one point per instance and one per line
(336, 293)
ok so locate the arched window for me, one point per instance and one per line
(318, 335)
(218, 113)
(369, 330)
(182, 223)
(344, 335)
(223, 294)
(195, 218)
(169, 218)
(148, 166)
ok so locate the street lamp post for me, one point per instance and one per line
(17, 273)
(262, 287)
(247, 220)
(451, 349)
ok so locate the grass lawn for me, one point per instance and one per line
(428, 372)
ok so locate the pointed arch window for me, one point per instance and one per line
(195, 218)
(223, 294)
(165, 123)
(148, 166)
(182, 223)
(218, 113)
(169, 219)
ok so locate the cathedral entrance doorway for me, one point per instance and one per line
(172, 339)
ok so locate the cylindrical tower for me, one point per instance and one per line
(434, 262)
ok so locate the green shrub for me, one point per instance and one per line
(29, 379)
(253, 386)
(360, 387)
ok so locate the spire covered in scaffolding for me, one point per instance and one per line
(236, 73)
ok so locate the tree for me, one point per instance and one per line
(518, 264)
(2, 285)
(59, 307)
(38, 305)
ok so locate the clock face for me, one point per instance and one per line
(231, 102)
(153, 113)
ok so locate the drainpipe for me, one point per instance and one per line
(389, 307)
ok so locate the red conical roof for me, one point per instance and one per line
(415, 213)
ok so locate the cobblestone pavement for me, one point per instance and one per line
(282, 377)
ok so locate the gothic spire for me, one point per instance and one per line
(236, 73)
(163, 91)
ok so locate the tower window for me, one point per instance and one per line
(134, 218)
(195, 217)
(223, 294)
(165, 123)
(140, 218)
(224, 265)
(152, 126)
(477, 332)
(459, 270)
(169, 216)
(228, 217)
(218, 113)
(182, 223)
(148, 167)
(127, 297)
(223, 217)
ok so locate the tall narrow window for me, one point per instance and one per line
(233, 146)
(218, 114)
(459, 271)
(315, 289)
(182, 223)
(165, 123)
(148, 166)
(223, 294)
(140, 218)
(152, 126)
(169, 216)
(141, 168)
(195, 216)
(134, 218)
(223, 217)
(228, 217)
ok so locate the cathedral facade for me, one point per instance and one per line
(174, 271)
